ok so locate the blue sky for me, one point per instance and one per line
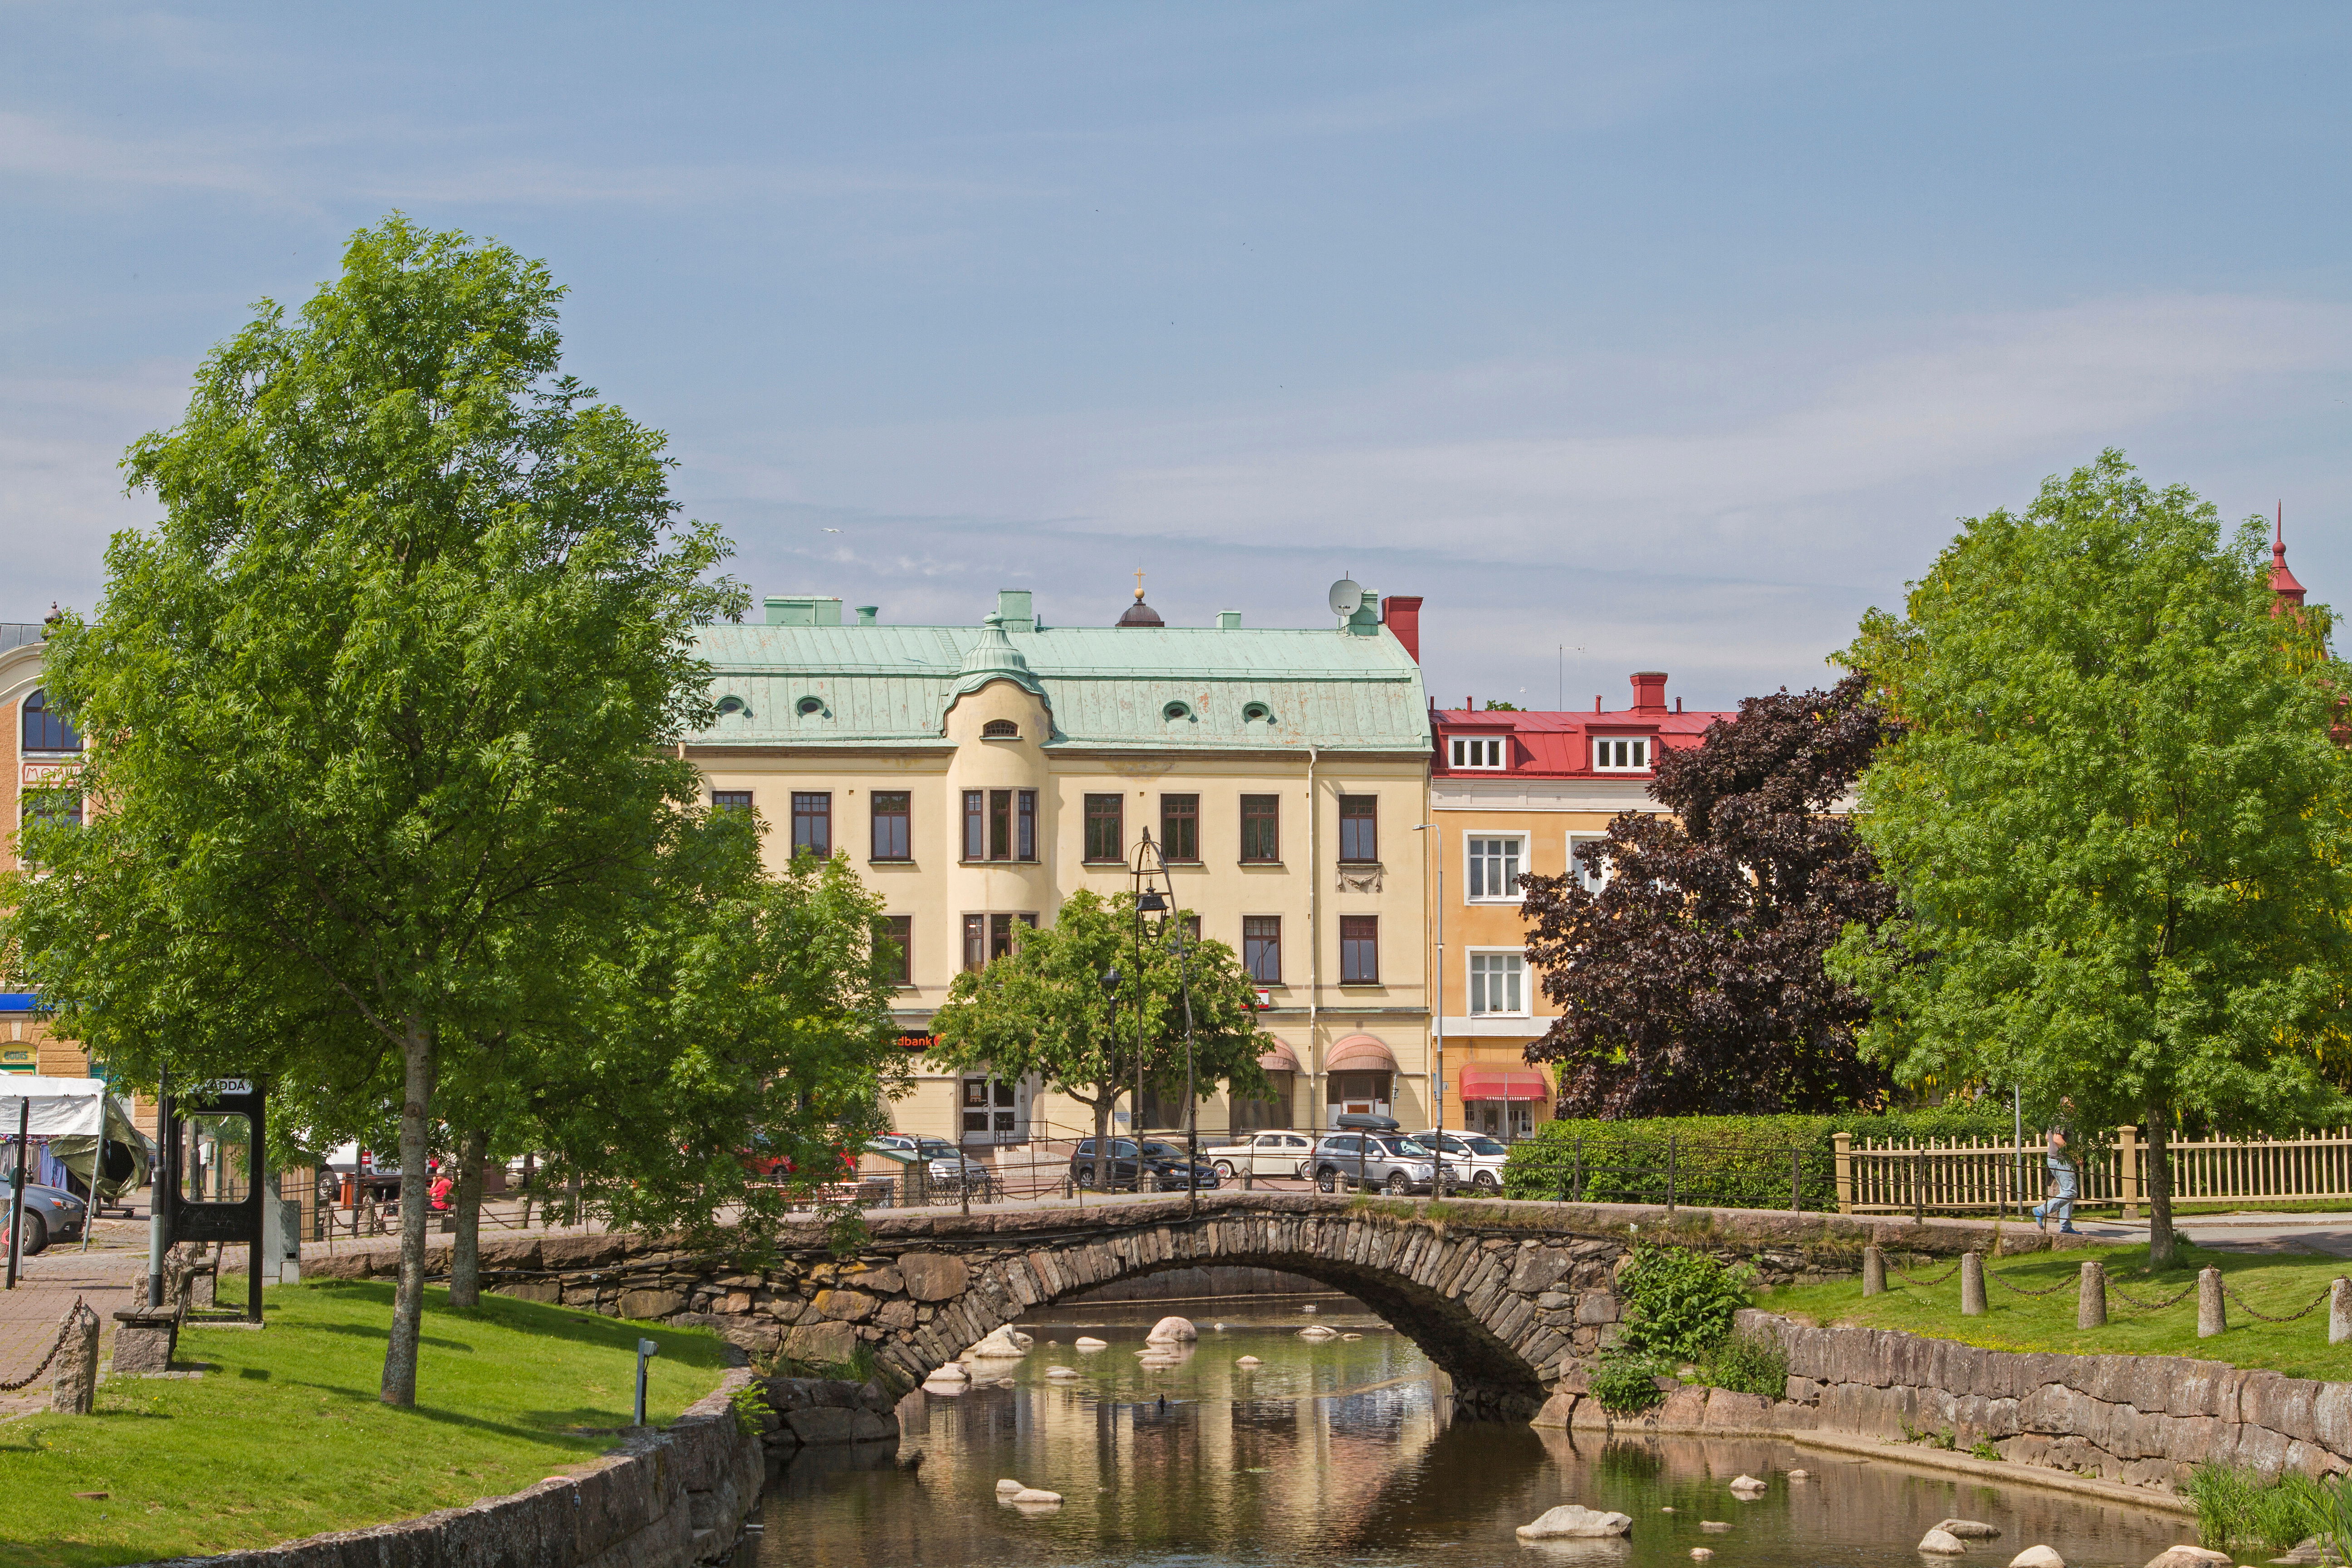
(1678, 335)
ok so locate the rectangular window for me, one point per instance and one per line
(1495, 867)
(811, 822)
(1593, 880)
(1359, 950)
(987, 938)
(1262, 948)
(730, 800)
(1025, 825)
(899, 931)
(892, 839)
(1261, 828)
(1105, 834)
(1359, 827)
(1191, 930)
(1628, 756)
(1000, 937)
(975, 941)
(1180, 826)
(975, 825)
(1478, 751)
(1000, 825)
(1498, 984)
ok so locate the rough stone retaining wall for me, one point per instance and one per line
(2141, 1421)
(661, 1499)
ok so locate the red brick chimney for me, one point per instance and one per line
(1649, 691)
(1400, 613)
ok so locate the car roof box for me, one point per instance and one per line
(1356, 1122)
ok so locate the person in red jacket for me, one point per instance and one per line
(439, 1190)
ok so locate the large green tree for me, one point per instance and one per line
(2116, 817)
(1092, 1003)
(379, 714)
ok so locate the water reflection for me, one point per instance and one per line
(1342, 1450)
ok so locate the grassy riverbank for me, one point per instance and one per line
(283, 1436)
(2274, 1284)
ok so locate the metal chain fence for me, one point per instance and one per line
(2257, 1312)
(55, 1346)
(2133, 1301)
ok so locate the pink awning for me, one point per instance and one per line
(1280, 1059)
(1359, 1053)
(1504, 1083)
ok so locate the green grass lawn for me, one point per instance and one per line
(283, 1437)
(2276, 1284)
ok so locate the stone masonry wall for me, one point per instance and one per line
(661, 1499)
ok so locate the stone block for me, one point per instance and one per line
(933, 1276)
(144, 1342)
(1748, 1412)
(821, 1344)
(1557, 1411)
(895, 1315)
(650, 1303)
(844, 1306)
(531, 1291)
(1596, 1307)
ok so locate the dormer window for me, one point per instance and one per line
(1478, 751)
(1000, 729)
(1629, 754)
(809, 707)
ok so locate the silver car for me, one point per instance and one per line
(1369, 1159)
(51, 1214)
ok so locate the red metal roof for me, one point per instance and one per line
(1559, 745)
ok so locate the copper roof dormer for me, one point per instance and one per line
(2283, 583)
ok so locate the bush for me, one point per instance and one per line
(1626, 1384)
(1746, 1365)
(2239, 1512)
(1679, 1303)
(1720, 1161)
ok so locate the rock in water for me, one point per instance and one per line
(1701, 1554)
(1573, 1520)
(1318, 1331)
(1035, 1495)
(1714, 1524)
(1744, 1482)
(948, 1374)
(1003, 1344)
(2037, 1557)
(1800, 1475)
(1970, 1529)
(1249, 1361)
(1061, 1371)
(1351, 1336)
(1171, 1329)
(2186, 1557)
(1941, 1543)
(1006, 1488)
(1087, 1342)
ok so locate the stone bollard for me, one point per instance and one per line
(2210, 1317)
(77, 1385)
(2339, 1310)
(1873, 1271)
(2091, 1298)
(1972, 1288)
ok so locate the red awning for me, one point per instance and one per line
(1504, 1083)
(1280, 1059)
(1359, 1053)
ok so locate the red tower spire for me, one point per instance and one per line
(2282, 582)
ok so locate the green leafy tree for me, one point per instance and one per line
(1047, 1009)
(378, 716)
(2116, 817)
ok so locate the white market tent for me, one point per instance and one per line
(73, 1122)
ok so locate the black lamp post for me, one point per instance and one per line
(1157, 903)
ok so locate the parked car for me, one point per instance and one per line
(1469, 1156)
(51, 1214)
(1369, 1159)
(943, 1164)
(1264, 1154)
(1163, 1161)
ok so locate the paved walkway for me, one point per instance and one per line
(2326, 1233)
(104, 1277)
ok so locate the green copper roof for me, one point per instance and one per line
(1111, 688)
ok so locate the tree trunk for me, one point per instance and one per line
(2163, 1247)
(408, 1300)
(465, 1250)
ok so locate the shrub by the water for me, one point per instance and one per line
(2240, 1512)
(1626, 1384)
(1746, 1365)
(1679, 1302)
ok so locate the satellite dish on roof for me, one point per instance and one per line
(1347, 596)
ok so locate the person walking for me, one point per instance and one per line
(2065, 1174)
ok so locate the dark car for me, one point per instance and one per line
(51, 1214)
(1161, 1162)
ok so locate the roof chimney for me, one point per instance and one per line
(868, 614)
(1649, 691)
(1400, 613)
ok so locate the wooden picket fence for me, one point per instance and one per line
(1978, 1175)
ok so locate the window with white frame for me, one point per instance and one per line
(1496, 862)
(1593, 880)
(1478, 751)
(1498, 984)
(1621, 754)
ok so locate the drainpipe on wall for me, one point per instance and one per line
(1314, 953)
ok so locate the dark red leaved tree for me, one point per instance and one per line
(1692, 982)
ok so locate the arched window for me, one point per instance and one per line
(44, 730)
(1000, 729)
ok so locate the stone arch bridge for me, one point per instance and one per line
(1505, 1296)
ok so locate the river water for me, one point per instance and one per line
(1341, 1452)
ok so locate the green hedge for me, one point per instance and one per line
(1717, 1162)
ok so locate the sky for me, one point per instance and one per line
(1632, 337)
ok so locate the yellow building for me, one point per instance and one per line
(1514, 794)
(975, 776)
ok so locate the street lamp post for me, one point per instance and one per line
(1437, 1095)
(1159, 902)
